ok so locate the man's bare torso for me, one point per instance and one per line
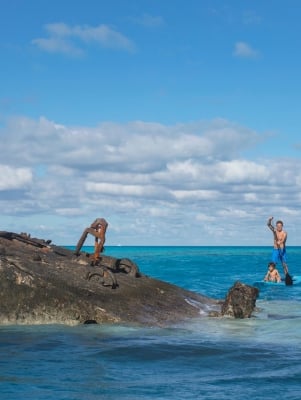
(281, 239)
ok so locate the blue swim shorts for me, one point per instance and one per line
(279, 255)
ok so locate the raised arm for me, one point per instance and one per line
(269, 224)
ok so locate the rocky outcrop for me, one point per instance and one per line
(43, 283)
(240, 301)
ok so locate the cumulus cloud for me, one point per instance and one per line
(151, 177)
(244, 50)
(57, 45)
(12, 178)
(72, 40)
(243, 171)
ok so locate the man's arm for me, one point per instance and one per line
(269, 224)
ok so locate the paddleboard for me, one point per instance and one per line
(296, 281)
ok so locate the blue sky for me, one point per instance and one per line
(177, 121)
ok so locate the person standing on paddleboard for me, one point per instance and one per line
(279, 249)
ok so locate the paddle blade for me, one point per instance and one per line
(288, 280)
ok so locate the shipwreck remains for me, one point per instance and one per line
(43, 283)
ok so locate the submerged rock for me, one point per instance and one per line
(43, 283)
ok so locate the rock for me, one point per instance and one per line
(43, 283)
(240, 301)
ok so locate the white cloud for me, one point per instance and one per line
(57, 45)
(143, 175)
(71, 40)
(135, 147)
(68, 211)
(239, 171)
(14, 178)
(195, 194)
(244, 50)
(121, 189)
(204, 218)
(233, 213)
(251, 197)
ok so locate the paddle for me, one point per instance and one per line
(288, 279)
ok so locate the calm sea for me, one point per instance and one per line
(212, 358)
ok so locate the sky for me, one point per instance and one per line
(178, 121)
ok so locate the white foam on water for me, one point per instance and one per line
(274, 321)
(204, 308)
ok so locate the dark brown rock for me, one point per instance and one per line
(43, 283)
(240, 301)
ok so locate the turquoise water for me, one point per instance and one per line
(212, 358)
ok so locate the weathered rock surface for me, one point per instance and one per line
(43, 283)
(240, 301)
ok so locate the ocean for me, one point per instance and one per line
(208, 358)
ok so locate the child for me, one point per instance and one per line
(272, 274)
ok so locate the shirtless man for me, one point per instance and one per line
(272, 275)
(279, 250)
